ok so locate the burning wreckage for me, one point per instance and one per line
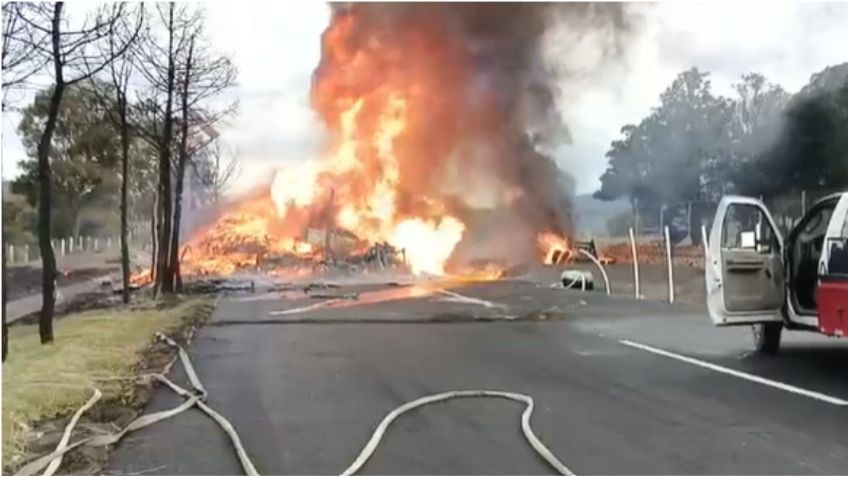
(246, 238)
(438, 119)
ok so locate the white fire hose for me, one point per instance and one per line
(600, 266)
(534, 441)
(53, 460)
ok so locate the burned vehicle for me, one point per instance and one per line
(756, 277)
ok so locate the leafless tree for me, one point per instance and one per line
(217, 171)
(20, 61)
(203, 74)
(115, 99)
(75, 55)
(157, 63)
(22, 45)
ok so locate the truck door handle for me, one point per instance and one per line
(745, 263)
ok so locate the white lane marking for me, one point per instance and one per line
(456, 297)
(303, 308)
(739, 374)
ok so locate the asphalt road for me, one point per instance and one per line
(306, 380)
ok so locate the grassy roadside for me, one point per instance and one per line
(46, 382)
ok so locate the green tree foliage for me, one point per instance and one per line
(84, 156)
(673, 154)
(662, 159)
(812, 152)
(698, 147)
(85, 161)
(19, 220)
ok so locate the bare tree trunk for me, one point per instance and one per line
(164, 277)
(181, 165)
(175, 235)
(154, 239)
(125, 169)
(48, 259)
(5, 328)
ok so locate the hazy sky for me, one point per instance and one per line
(276, 45)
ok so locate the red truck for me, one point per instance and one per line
(755, 277)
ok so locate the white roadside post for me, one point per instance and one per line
(109, 243)
(95, 244)
(670, 265)
(636, 290)
(70, 245)
(26, 253)
(11, 254)
(62, 246)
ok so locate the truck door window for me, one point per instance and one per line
(747, 227)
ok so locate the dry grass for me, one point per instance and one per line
(44, 382)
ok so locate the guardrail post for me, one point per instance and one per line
(670, 265)
(636, 290)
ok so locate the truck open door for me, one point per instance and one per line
(744, 270)
(833, 274)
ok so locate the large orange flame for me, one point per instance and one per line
(555, 249)
(364, 181)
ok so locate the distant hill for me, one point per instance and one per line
(591, 215)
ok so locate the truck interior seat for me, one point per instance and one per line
(806, 271)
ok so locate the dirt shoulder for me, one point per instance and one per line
(44, 384)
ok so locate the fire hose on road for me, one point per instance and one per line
(198, 395)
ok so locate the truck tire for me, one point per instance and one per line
(767, 337)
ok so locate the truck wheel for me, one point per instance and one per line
(767, 337)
